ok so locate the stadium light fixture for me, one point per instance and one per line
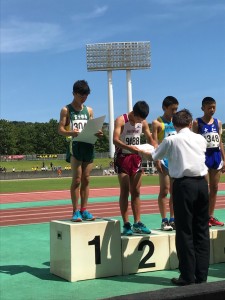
(118, 56)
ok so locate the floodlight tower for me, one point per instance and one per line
(118, 56)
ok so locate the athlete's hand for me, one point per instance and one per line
(158, 166)
(99, 134)
(143, 154)
(223, 168)
(74, 133)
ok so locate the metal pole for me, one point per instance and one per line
(111, 114)
(129, 91)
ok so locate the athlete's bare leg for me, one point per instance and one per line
(76, 180)
(80, 182)
(124, 181)
(85, 180)
(135, 185)
(213, 179)
(164, 182)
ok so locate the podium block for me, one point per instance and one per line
(173, 252)
(211, 257)
(218, 239)
(145, 253)
(85, 250)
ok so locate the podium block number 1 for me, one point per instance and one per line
(78, 253)
(96, 243)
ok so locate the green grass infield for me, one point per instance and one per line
(54, 184)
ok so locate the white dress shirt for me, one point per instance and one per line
(185, 152)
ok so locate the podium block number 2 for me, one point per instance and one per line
(96, 243)
(142, 245)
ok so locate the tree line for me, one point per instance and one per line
(38, 138)
(28, 138)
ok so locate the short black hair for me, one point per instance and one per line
(182, 118)
(169, 100)
(141, 109)
(208, 100)
(81, 87)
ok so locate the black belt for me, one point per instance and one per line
(193, 177)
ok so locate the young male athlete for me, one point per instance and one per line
(126, 137)
(163, 127)
(211, 129)
(73, 118)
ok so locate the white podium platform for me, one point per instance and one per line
(145, 253)
(173, 253)
(218, 244)
(85, 250)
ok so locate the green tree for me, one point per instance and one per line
(57, 143)
(8, 138)
(25, 138)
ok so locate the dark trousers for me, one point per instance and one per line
(190, 202)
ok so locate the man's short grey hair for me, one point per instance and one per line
(182, 118)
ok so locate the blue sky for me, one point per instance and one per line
(43, 52)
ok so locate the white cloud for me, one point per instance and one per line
(19, 36)
(96, 13)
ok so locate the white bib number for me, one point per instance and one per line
(213, 139)
(79, 124)
(131, 140)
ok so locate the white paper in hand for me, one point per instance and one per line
(146, 147)
(87, 135)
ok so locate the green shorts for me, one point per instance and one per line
(81, 151)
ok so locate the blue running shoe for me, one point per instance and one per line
(76, 216)
(127, 229)
(140, 228)
(86, 216)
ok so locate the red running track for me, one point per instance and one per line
(48, 213)
(65, 194)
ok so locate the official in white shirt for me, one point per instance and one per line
(186, 156)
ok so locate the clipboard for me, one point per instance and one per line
(87, 135)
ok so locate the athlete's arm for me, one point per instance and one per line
(63, 122)
(148, 134)
(91, 113)
(195, 126)
(221, 145)
(156, 128)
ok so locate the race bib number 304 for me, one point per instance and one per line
(79, 124)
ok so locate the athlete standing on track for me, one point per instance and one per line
(211, 129)
(126, 136)
(73, 118)
(161, 128)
